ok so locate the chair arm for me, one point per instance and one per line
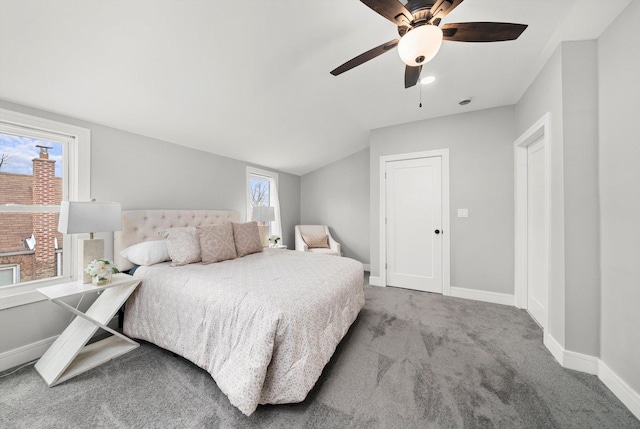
(300, 244)
(334, 245)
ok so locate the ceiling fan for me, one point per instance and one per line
(420, 35)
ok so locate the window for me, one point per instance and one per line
(31, 189)
(42, 162)
(262, 191)
(9, 274)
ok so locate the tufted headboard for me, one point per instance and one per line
(144, 225)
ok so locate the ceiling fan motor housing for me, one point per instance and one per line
(420, 9)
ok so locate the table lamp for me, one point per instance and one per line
(88, 217)
(263, 214)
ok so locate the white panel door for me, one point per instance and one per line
(414, 224)
(537, 258)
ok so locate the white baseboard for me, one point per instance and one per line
(595, 366)
(375, 281)
(27, 353)
(572, 360)
(622, 390)
(581, 362)
(24, 354)
(482, 295)
(554, 347)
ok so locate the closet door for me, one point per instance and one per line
(414, 223)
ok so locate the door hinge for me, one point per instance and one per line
(385, 265)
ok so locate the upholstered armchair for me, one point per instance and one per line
(316, 239)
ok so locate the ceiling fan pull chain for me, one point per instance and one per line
(420, 96)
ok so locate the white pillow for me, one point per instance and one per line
(147, 253)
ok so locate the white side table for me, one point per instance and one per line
(69, 355)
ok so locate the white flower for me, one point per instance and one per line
(100, 268)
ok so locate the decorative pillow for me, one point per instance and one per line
(147, 253)
(216, 243)
(183, 245)
(247, 238)
(316, 241)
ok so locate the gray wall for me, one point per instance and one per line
(619, 69)
(142, 172)
(481, 179)
(567, 88)
(338, 196)
(582, 202)
(145, 173)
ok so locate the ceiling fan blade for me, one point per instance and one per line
(393, 10)
(411, 76)
(442, 8)
(363, 58)
(482, 31)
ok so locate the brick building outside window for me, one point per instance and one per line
(30, 175)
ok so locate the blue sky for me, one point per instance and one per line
(22, 150)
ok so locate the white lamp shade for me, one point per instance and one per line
(263, 214)
(420, 45)
(82, 217)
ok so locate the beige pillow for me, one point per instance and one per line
(247, 238)
(183, 245)
(216, 243)
(316, 241)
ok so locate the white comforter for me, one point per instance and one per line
(264, 326)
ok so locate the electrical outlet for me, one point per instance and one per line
(463, 212)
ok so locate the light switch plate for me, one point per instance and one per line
(463, 212)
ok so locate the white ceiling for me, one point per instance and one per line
(250, 80)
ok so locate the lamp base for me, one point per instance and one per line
(264, 235)
(90, 250)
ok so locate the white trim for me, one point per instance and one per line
(77, 165)
(376, 281)
(446, 228)
(81, 190)
(620, 388)
(27, 353)
(538, 130)
(19, 208)
(581, 362)
(483, 295)
(23, 297)
(595, 366)
(554, 347)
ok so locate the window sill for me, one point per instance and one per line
(15, 296)
(19, 299)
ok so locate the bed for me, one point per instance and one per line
(263, 325)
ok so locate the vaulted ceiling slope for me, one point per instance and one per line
(250, 80)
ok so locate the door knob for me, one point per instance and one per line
(437, 231)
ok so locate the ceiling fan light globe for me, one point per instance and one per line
(420, 45)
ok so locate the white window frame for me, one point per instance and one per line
(16, 271)
(77, 177)
(263, 174)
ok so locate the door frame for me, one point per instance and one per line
(539, 130)
(446, 230)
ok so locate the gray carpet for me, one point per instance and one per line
(411, 360)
